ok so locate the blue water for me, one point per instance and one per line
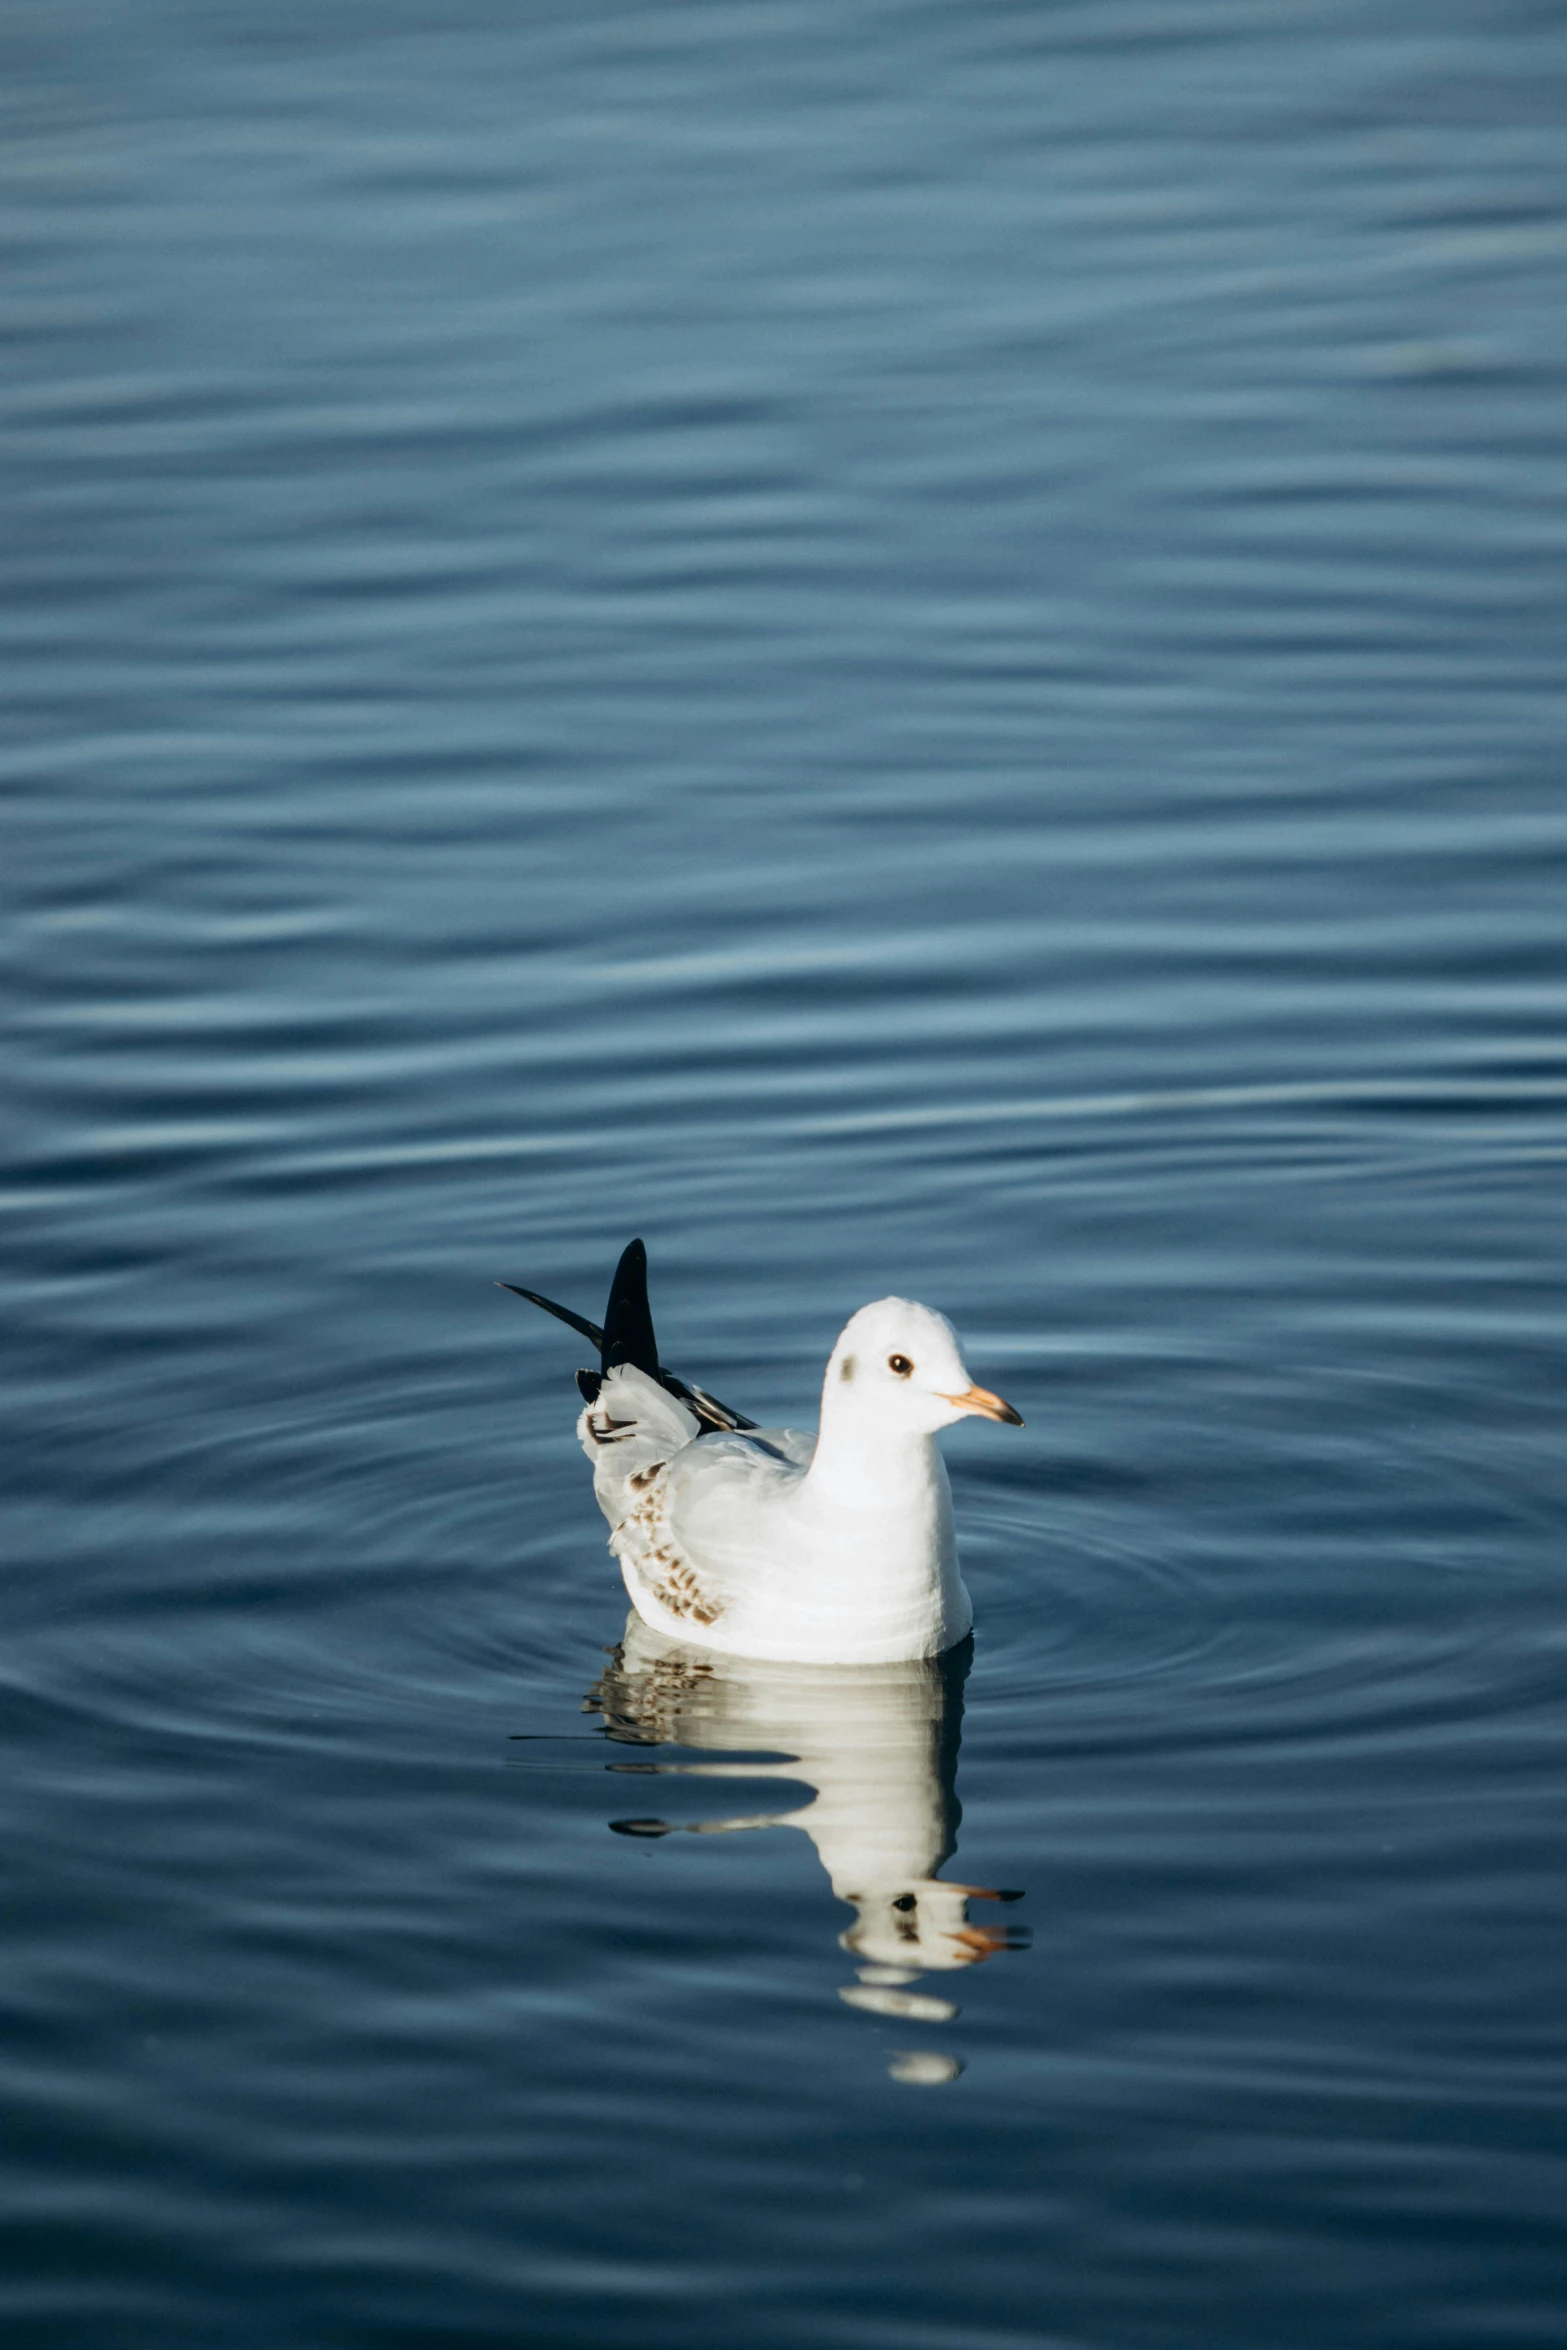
(903, 647)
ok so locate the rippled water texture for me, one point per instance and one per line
(904, 647)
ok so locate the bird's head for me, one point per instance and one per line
(897, 1367)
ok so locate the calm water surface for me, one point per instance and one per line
(905, 647)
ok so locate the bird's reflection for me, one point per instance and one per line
(879, 1746)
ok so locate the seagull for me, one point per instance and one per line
(834, 1549)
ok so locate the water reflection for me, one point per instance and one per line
(878, 1745)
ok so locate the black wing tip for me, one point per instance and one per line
(578, 1322)
(533, 1297)
(718, 1419)
(628, 1319)
(627, 1337)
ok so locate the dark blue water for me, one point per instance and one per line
(904, 647)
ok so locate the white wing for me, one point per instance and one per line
(694, 1524)
(628, 1433)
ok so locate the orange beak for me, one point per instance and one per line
(991, 1407)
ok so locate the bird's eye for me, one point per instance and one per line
(899, 1366)
(905, 1902)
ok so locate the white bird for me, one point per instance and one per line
(836, 1548)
